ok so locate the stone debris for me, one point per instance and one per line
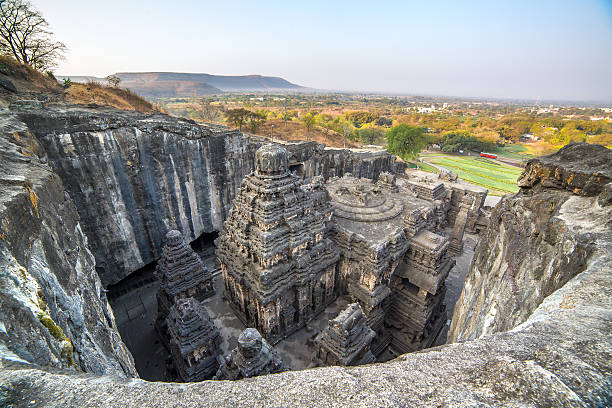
(182, 274)
(254, 356)
(346, 341)
(194, 341)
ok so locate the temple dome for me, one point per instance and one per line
(271, 159)
(249, 342)
(174, 238)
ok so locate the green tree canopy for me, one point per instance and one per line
(237, 117)
(455, 141)
(310, 121)
(360, 118)
(240, 117)
(406, 141)
(370, 135)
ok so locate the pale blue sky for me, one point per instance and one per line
(551, 49)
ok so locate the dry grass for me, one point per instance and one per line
(26, 78)
(540, 148)
(294, 130)
(95, 93)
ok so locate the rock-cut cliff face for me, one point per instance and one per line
(133, 177)
(53, 309)
(537, 240)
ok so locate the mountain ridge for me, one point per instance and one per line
(178, 84)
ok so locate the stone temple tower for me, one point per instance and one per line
(346, 340)
(279, 266)
(254, 356)
(182, 274)
(195, 341)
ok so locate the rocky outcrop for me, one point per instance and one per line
(134, 177)
(53, 309)
(579, 167)
(537, 240)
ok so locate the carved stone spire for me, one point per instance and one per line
(278, 264)
(182, 274)
(346, 340)
(194, 341)
(254, 356)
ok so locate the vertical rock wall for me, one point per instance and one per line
(537, 240)
(134, 177)
(53, 310)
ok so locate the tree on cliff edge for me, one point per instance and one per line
(25, 35)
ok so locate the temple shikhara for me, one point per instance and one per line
(195, 341)
(279, 264)
(254, 356)
(182, 274)
(346, 341)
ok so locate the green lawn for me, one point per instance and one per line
(514, 151)
(427, 167)
(497, 177)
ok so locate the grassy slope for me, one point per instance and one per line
(27, 79)
(107, 95)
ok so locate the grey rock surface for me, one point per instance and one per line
(53, 310)
(537, 241)
(136, 176)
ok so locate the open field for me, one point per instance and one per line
(498, 177)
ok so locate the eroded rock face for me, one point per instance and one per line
(135, 176)
(537, 240)
(53, 309)
(581, 168)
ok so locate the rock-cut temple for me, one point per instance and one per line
(289, 248)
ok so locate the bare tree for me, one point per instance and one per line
(25, 35)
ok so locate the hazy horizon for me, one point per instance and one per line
(552, 50)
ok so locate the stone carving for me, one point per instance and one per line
(278, 264)
(417, 313)
(373, 237)
(280, 268)
(254, 356)
(346, 340)
(458, 204)
(182, 274)
(194, 341)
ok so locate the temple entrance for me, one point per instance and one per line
(298, 169)
(204, 245)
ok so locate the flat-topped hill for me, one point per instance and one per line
(179, 84)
